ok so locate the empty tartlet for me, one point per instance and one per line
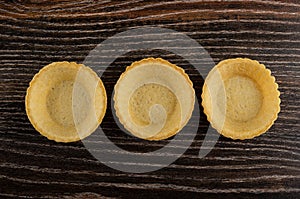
(66, 101)
(240, 98)
(154, 99)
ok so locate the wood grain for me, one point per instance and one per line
(36, 33)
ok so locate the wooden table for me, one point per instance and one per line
(36, 33)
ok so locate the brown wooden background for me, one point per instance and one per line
(36, 33)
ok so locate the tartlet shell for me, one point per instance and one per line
(264, 74)
(144, 61)
(52, 135)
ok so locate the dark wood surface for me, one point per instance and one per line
(36, 33)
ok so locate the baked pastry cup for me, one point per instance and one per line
(66, 101)
(240, 98)
(154, 99)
